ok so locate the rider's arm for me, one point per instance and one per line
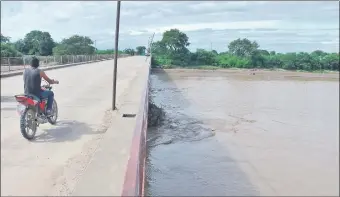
(43, 75)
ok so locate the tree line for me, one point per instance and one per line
(41, 43)
(171, 51)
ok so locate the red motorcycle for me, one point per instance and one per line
(32, 111)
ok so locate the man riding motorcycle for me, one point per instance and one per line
(32, 84)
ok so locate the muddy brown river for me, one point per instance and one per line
(232, 133)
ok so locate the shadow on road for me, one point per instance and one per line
(64, 131)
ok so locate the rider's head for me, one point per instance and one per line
(35, 62)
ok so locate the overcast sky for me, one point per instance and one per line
(280, 26)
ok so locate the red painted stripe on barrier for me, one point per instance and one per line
(135, 172)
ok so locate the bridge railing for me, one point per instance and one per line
(19, 63)
(135, 173)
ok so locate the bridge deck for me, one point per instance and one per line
(87, 151)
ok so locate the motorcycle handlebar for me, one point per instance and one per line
(55, 82)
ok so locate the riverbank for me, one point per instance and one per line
(207, 67)
(258, 74)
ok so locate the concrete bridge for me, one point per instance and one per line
(92, 150)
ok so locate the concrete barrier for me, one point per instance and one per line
(135, 171)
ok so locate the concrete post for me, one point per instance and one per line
(115, 59)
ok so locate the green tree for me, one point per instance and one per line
(175, 41)
(264, 52)
(243, 47)
(158, 48)
(173, 48)
(140, 50)
(319, 53)
(75, 45)
(20, 46)
(273, 61)
(129, 51)
(203, 57)
(8, 50)
(304, 61)
(227, 60)
(331, 61)
(159, 54)
(289, 61)
(4, 39)
(38, 43)
(61, 49)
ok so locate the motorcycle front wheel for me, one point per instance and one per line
(28, 125)
(53, 119)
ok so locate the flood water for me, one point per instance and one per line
(239, 134)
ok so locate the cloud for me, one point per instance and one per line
(280, 26)
(216, 26)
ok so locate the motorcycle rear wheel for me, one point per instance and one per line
(53, 119)
(27, 123)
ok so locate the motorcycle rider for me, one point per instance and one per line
(32, 84)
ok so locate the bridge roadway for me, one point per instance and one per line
(87, 152)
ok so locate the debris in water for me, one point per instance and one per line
(155, 115)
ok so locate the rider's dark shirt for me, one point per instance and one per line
(32, 81)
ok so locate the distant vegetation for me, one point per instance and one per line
(107, 51)
(172, 51)
(41, 44)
